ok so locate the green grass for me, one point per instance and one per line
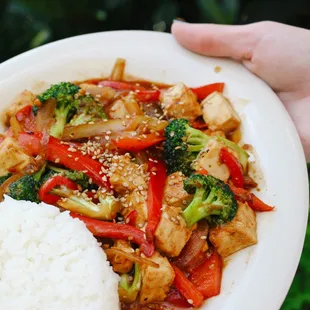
(298, 297)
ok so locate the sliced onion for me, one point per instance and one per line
(117, 73)
(45, 117)
(140, 124)
(194, 246)
(8, 182)
(131, 256)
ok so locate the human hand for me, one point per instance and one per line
(277, 53)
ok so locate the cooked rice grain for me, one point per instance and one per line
(50, 261)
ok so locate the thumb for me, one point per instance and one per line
(235, 42)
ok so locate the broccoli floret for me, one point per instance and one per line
(106, 209)
(24, 188)
(89, 110)
(78, 177)
(128, 290)
(66, 104)
(183, 143)
(213, 200)
(4, 178)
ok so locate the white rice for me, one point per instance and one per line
(50, 261)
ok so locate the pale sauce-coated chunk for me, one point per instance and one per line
(180, 102)
(156, 282)
(119, 263)
(236, 235)
(219, 114)
(12, 156)
(172, 233)
(209, 159)
(174, 193)
(126, 176)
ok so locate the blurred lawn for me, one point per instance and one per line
(25, 24)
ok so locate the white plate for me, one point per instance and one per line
(258, 277)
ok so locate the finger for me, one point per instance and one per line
(236, 42)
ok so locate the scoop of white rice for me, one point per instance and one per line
(50, 261)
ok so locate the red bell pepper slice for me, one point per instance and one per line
(61, 154)
(204, 91)
(253, 201)
(120, 85)
(26, 118)
(207, 277)
(131, 218)
(203, 171)
(175, 298)
(138, 143)
(117, 231)
(157, 181)
(31, 142)
(58, 180)
(187, 288)
(148, 95)
(234, 167)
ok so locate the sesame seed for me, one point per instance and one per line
(190, 301)
(203, 237)
(57, 160)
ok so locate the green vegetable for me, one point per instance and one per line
(37, 176)
(24, 189)
(128, 290)
(213, 200)
(89, 110)
(106, 209)
(4, 178)
(183, 144)
(35, 110)
(77, 176)
(66, 104)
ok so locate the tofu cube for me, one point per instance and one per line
(119, 263)
(174, 193)
(219, 114)
(156, 282)
(172, 233)
(12, 156)
(236, 235)
(209, 159)
(180, 102)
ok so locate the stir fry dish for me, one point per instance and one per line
(156, 172)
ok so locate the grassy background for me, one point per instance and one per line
(25, 24)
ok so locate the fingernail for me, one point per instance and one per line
(179, 20)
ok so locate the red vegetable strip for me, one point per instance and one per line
(187, 288)
(148, 95)
(59, 153)
(157, 181)
(26, 118)
(234, 167)
(175, 298)
(131, 218)
(117, 231)
(120, 85)
(207, 277)
(203, 171)
(57, 180)
(253, 201)
(204, 91)
(138, 143)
